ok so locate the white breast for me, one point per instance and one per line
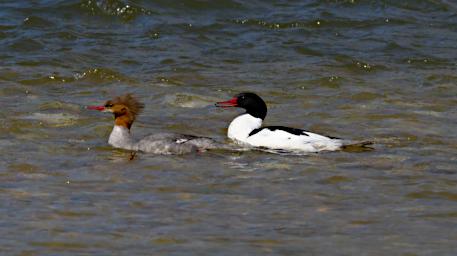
(120, 138)
(241, 126)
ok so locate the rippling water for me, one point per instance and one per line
(378, 70)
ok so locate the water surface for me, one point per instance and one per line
(377, 70)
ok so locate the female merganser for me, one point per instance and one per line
(246, 129)
(125, 109)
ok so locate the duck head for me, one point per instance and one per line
(125, 108)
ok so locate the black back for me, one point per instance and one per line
(286, 129)
(294, 131)
(253, 104)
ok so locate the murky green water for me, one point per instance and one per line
(378, 70)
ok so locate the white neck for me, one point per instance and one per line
(120, 138)
(241, 126)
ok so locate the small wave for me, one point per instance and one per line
(54, 119)
(358, 66)
(93, 76)
(333, 82)
(189, 100)
(36, 22)
(102, 75)
(26, 45)
(114, 8)
(318, 23)
(202, 5)
(427, 62)
(272, 25)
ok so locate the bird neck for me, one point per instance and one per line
(125, 120)
(258, 110)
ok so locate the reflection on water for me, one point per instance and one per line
(363, 71)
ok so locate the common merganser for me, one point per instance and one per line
(125, 109)
(246, 129)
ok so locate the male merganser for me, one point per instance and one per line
(125, 109)
(246, 129)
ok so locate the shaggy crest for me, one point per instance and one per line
(128, 100)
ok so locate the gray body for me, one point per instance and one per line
(161, 143)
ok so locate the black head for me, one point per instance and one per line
(253, 104)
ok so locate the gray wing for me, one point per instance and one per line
(172, 143)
